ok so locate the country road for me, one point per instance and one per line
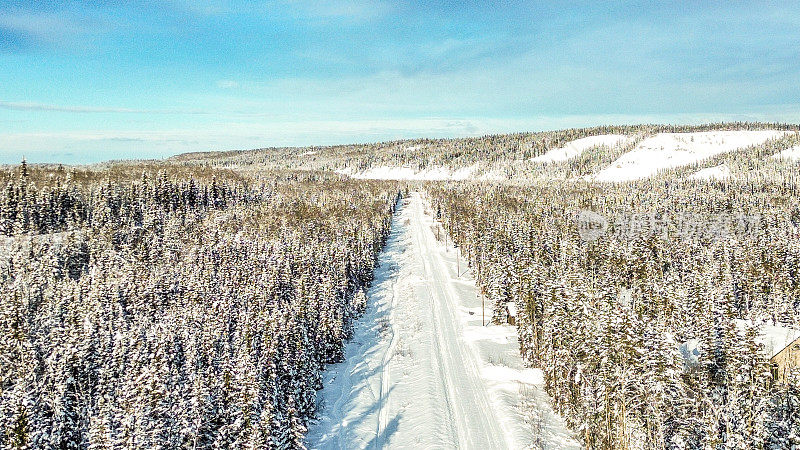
(421, 371)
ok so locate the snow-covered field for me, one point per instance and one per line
(407, 173)
(719, 172)
(667, 150)
(421, 371)
(792, 154)
(578, 146)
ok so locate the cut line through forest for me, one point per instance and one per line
(420, 370)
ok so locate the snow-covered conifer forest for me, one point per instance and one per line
(188, 308)
(640, 286)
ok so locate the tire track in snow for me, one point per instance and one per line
(445, 386)
(475, 428)
(420, 382)
(383, 410)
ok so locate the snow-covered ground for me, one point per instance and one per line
(667, 150)
(578, 146)
(421, 371)
(407, 173)
(492, 175)
(719, 172)
(792, 154)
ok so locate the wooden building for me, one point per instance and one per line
(785, 359)
(780, 344)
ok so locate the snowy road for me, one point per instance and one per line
(421, 371)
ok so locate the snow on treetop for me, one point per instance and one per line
(690, 350)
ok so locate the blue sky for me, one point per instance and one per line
(94, 80)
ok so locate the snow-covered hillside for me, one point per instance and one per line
(719, 172)
(578, 146)
(651, 155)
(667, 150)
(421, 370)
(407, 173)
(791, 154)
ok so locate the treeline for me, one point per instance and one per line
(174, 313)
(605, 318)
(64, 205)
(506, 154)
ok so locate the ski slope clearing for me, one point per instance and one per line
(719, 172)
(792, 154)
(578, 146)
(407, 173)
(667, 150)
(421, 371)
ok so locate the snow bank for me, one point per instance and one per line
(792, 154)
(407, 173)
(719, 172)
(667, 150)
(578, 146)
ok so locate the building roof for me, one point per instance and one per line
(774, 338)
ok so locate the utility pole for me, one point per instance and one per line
(483, 311)
(458, 265)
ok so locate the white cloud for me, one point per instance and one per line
(28, 106)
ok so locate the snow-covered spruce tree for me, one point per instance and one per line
(174, 315)
(605, 319)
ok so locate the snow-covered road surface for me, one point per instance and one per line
(421, 371)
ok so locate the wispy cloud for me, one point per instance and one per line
(354, 10)
(24, 106)
(338, 11)
(34, 28)
(45, 25)
(202, 7)
(351, 9)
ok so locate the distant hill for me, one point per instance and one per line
(601, 154)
